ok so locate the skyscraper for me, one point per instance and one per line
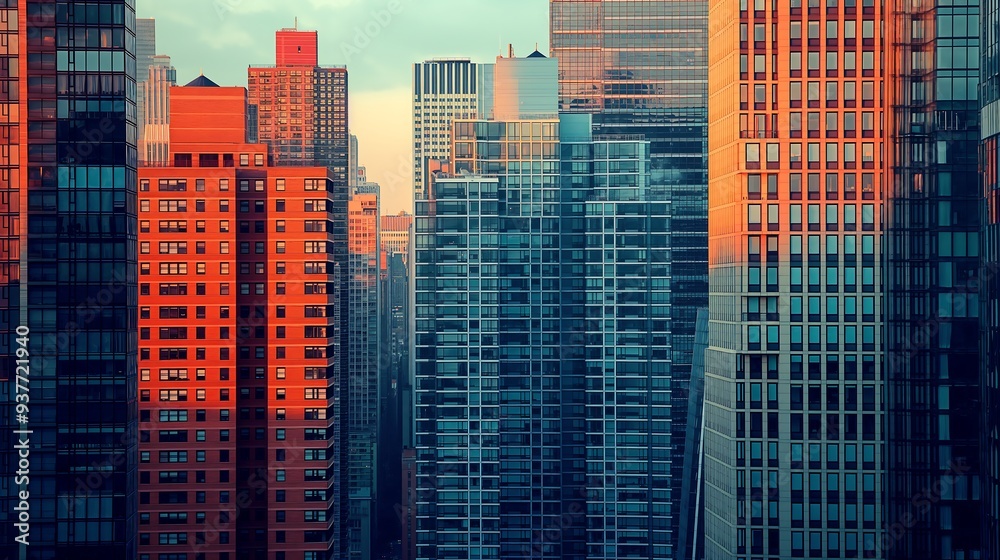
(989, 281)
(68, 295)
(234, 407)
(302, 116)
(302, 106)
(443, 90)
(641, 68)
(394, 234)
(145, 51)
(931, 283)
(154, 143)
(793, 438)
(352, 167)
(540, 351)
(363, 368)
(394, 311)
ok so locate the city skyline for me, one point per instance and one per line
(240, 33)
(667, 280)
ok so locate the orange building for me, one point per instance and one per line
(236, 462)
(797, 147)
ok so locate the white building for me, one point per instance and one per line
(443, 90)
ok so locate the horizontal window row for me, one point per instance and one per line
(818, 279)
(830, 213)
(831, 186)
(816, 337)
(816, 92)
(281, 516)
(244, 352)
(755, 366)
(818, 155)
(761, 395)
(224, 496)
(827, 63)
(258, 206)
(280, 288)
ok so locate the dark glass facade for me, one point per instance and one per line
(989, 281)
(68, 242)
(641, 68)
(541, 349)
(315, 97)
(931, 298)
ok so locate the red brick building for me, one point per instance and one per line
(238, 342)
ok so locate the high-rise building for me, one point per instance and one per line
(444, 90)
(393, 377)
(145, 51)
(302, 106)
(237, 442)
(280, 95)
(931, 284)
(525, 88)
(793, 438)
(68, 283)
(394, 234)
(363, 368)
(641, 69)
(540, 349)
(352, 167)
(145, 45)
(989, 280)
(154, 143)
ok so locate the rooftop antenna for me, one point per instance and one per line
(296, 22)
(510, 50)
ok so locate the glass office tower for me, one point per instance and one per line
(793, 442)
(931, 303)
(989, 281)
(363, 363)
(640, 68)
(68, 244)
(543, 396)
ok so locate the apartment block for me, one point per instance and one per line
(235, 454)
(798, 157)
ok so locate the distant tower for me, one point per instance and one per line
(444, 90)
(154, 141)
(302, 116)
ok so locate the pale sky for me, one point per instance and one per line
(378, 40)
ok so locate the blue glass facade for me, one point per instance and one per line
(641, 68)
(541, 348)
(989, 285)
(69, 270)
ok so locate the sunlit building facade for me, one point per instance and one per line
(301, 114)
(793, 442)
(154, 143)
(235, 449)
(68, 277)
